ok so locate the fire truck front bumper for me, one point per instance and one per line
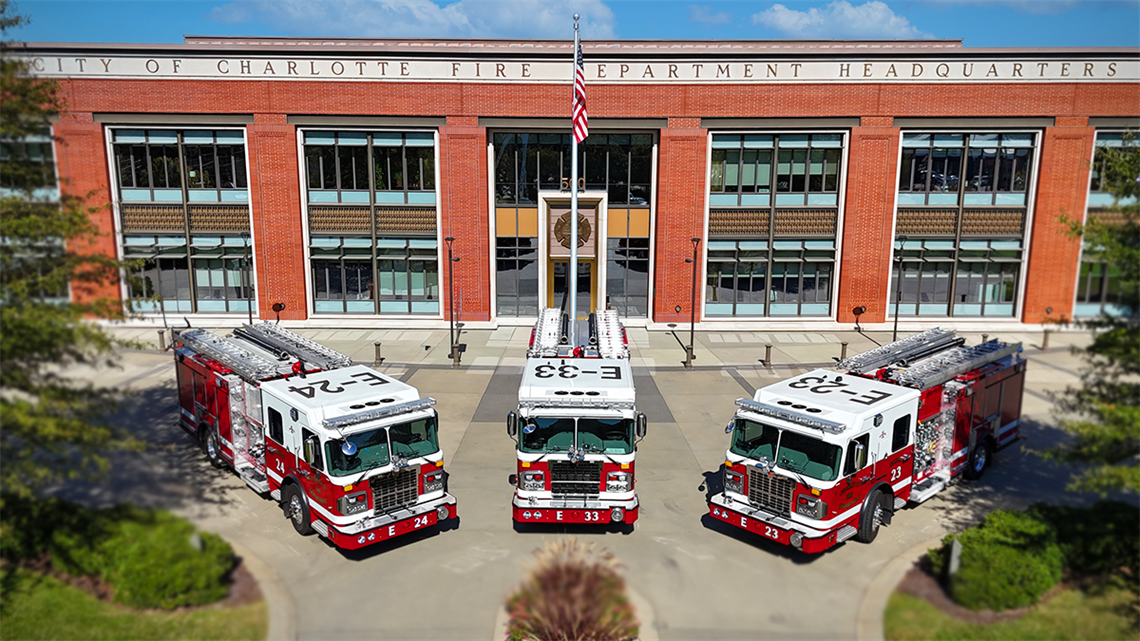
(382, 527)
(600, 510)
(770, 526)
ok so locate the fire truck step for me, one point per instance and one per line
(927, 489)
(844, 533)
(900, 503)
(321, 528)
(276, 494)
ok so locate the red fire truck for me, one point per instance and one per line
(822, 457)
(349, 452)
(579, 425)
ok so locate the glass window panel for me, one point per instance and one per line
(732, 170)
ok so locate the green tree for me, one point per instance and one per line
(1103, 413)
(54, 427)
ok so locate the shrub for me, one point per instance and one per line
(147, 556)
(572, 593)
(1007, 561)
(1095, 540)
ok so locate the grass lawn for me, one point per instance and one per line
(1072, 614)
(40, 607)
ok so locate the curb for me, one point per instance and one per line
(869, 619)
(281, 616)
(647, 621)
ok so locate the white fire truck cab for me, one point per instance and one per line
(577, 426)
(825, 456)
(350, 453)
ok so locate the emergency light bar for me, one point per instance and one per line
(793, 417)
(563, 401)
(377, 413)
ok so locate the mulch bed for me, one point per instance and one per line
(243, 586)
(920, 582)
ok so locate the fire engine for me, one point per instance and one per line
(349, 452)
(819, 458)
(579, 425)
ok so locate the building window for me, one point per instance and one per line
(516, 276)
(976, 169)
(197, 166)
(783, 170)
(762, 278)
(627, 276)
(29, 164)
(619, 164)
(356, 275)
(945, 278)
(370, 167)
(213, 274)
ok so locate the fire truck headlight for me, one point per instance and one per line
(618, 481)
(797, 540)
(617, 515)
(733, 481)
(353, 503)
(433, 481)
(534, 481)
(810, 506)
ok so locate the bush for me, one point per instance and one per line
(1008, 561)
(1095, 540)
(147, 556)
(571, 593)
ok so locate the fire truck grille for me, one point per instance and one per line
(770, 493)
(396, 489)
(577, 479)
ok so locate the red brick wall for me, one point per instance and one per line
(865, 275)
(1062, 187)
(81, 157)
(681, 187)
(464, 216)
(274, 190)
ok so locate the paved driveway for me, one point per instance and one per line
(700, 579)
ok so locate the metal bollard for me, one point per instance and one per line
(377, 359)
(162, 340)
(843, 351)
(767, 355)
(985, 338)
(1045, 340)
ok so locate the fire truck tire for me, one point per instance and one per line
(213, 454)
(980, 458)
(871, 518)
(297, 510)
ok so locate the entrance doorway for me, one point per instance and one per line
(558, 286)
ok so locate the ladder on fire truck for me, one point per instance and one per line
(903, 350)
(292, 343)
(610, 335)
(245, 363)
(607, 336)
(944, 366)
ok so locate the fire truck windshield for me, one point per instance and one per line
(601, 435)
(792, 451)
(414, 438)
(408, 440)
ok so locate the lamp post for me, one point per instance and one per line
(692, 306)
(246, 263)
(451, 295)
(898, 288)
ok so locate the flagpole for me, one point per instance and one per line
(572, 282)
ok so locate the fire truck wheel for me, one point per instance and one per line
(212, 452)
(979, 460)
(297, 510)
(872, 517)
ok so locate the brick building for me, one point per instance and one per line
(805, 177)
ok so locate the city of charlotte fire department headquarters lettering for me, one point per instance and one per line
(959, 70)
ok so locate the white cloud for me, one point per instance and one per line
(423, 18)
(839, 19)
(705, 15)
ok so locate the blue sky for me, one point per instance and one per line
(979, 23)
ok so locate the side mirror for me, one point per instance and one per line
(641, 423)
(731, 426)
(512, 424)
(860, 456)
(310, 449)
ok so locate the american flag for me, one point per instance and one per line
(581, 122)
